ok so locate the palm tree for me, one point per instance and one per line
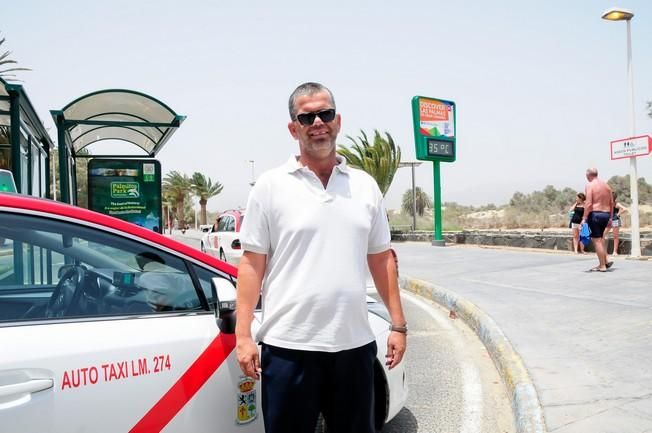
(379, 159)
(176, 186)
(422, 200)
(4, 61)
(204, 188)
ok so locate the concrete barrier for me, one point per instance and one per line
(551, 240)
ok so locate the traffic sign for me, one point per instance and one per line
(631, 147)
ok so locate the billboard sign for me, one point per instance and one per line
(434, 123)
(129, 189)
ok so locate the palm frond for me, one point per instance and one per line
(14, 70)
(380, 158)
(5, 61)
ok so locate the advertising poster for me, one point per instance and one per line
(436, 118)
(129, 189)
(434, 122)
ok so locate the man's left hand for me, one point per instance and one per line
(396, 345)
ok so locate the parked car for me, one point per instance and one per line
(223, 239)
(205, 228)
(106, 326)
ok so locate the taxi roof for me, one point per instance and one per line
(47, 206)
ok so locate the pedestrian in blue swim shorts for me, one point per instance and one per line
(598, 211)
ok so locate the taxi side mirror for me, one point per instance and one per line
(224, 295)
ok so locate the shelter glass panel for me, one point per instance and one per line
(24, 167)
(88, 134)
(116, 101)
(44, 173)
(135, 136)
(5, 158)
(36, 171)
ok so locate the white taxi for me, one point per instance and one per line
(109, 327)
(223, 239)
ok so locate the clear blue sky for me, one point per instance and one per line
(540, 87)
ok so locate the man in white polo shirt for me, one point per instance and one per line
(313, 227)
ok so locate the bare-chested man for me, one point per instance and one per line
(598, 209)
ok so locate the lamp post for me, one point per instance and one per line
(618, 14)
(253, 178)
(414, 193)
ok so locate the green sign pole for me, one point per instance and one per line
(435, 124)
(438, 239)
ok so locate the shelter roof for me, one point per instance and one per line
(118, 114)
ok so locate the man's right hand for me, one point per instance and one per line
(248, 358)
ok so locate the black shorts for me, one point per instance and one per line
(298, 385)
(598, 222)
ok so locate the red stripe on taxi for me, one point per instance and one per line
(187, 385)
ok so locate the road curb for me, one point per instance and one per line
(525, 401)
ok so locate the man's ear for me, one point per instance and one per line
(292, 127)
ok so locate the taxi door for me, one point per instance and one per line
(101, 333)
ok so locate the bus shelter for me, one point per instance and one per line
(112, 114)
(25, 145)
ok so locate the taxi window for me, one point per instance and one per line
(221, 223)
(230, 224)
(205, 276)
(52, 269)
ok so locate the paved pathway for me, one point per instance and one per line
(586, 338)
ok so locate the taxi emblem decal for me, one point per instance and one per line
(246, 401)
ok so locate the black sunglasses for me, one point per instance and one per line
(309, 118)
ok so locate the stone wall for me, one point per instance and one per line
(550, 240)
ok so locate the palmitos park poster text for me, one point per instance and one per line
(129, 189)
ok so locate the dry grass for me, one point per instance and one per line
(502, 219)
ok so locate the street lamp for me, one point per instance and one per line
(253, 178)
(414, 193)
(618, 14)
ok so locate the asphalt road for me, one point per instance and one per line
(585, 337)
(454, 386)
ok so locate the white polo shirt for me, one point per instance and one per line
(316, 240)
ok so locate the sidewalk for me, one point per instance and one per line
(190, 233)
(585, 338)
